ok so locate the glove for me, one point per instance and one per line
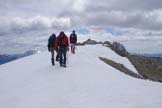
(49, 48)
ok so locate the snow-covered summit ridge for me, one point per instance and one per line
(87, 82)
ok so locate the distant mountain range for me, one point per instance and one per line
(153, 55)
(4, 58)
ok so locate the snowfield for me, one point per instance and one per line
(87, 82)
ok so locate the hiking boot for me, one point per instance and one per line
(64, 65)
(53, 62)
(61, 65)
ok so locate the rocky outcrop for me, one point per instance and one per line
(80, 44)
(89, 41)
(107, 44)
(148, 67)
(100, 42)
(121, 67)
(119, 49)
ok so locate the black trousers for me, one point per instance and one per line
(62, 54)
(52, 50)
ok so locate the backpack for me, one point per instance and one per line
(60, 40)
(73, 38)
(73, 35)
(51, 40)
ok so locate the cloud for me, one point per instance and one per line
(138, 20)
(20, 25)
(145, 14)
(125, 5)
(120, 20)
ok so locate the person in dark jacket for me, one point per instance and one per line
(51, 47)
(73, 41)
(62, 44)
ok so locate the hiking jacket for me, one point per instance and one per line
(62, 40)
(51, 41)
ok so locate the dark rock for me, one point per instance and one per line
(119, 49)
(121, 67)
(80, 44)
(89, 41)
(99, 42)
(107, 44)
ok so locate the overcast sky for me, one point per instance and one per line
(129, 19)
(91, 14)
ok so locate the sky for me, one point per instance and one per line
(28, 23)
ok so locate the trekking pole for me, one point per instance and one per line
(67, 58)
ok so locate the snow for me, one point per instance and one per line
(87, 82)
(101, 51)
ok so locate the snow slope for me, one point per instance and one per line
(87, 82)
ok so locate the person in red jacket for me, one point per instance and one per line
(62, 44)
